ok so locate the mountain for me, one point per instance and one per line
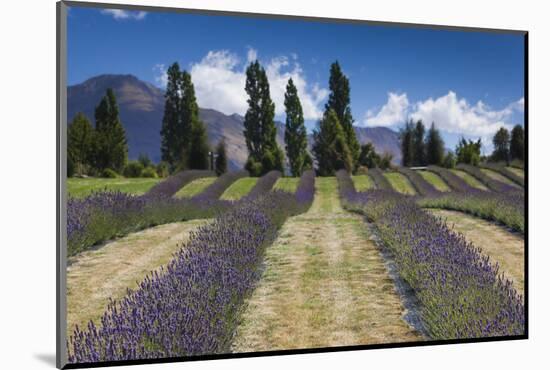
(141, 107)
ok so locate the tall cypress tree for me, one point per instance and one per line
(260, 131)
(192, 139)
(501, 142)
(407, 144)
(221, 158)
(80, 135)
(330, 147)
(110, 145)
(339, 101)
(435, 150)
(170, 150)
(418, 144)
(517, 143)
(295, 130)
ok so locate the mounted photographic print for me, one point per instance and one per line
(234, 184)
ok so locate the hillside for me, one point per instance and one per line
(141, 107)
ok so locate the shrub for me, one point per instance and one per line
(163, 169)
(133, 169)
(253, 167)
(149, 172)
(109, 173)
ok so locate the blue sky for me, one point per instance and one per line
(469, 83)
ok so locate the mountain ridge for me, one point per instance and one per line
(141, 107)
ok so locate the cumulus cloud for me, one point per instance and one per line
(456, 115)
(391, 113)
(120, 14)
(220, 77)
(450, 113)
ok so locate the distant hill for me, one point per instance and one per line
(141, 107)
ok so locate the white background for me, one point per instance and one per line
(27, 168)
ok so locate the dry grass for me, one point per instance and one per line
(499, 244)
(325, 284)
(94, 276)
(498, 177)
(470, 180)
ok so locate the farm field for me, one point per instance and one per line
(325, 284)
(363, 182)
(435, 180)
(239, 188)
(501, 245)
(470, 180)
(195, 187)
(108, 271)
(400, 183)
(81, 187)
(497, 176)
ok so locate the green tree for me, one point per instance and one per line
(110, 145)
(406, 138)
(221, 158)
(435, 147)
(260, 131)
(198, 157)
(468, 152)
(517, 143)
(330, 147)
(501, 142)
(145, 161)
(192, 139)
(449, 161)
(339, 101)
(368, 156)
(418, 144)
(170, 147)
(385, 161)
(295, 130)
(80, 136)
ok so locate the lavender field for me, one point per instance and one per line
(347, 267)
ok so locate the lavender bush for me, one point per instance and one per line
(192, 306)
(172, 184)
(216, 189)
(421, 186)
(492, 184)
(379, 179)
(263, 185)
(461, 293)
(501, 168)
(454, 182)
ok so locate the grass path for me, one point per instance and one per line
(470, 180)
(435, 180)
(239, 188)
(195, 187)
(517, 171)
(80, 188)
(499, 244)
(363, 182)
(400, 183)
(94, 276)
(324, 284)
(289, 184)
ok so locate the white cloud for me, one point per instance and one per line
(120, 14)
(450, 113)
(392, 113)
(161, 77)
(220, 77)
(455, 115)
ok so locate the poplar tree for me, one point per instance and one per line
(221, 158)
(80, 135)
(418, 144)
(330, 147)
(110, 145)
(501, 142)
(435, 148)
(407, 144)
(170, 150)
(192, 138)
(339, 101)
(517, 143)
(295, 130)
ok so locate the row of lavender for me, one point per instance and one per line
(461, 293)
(104, 215)
(192, 306)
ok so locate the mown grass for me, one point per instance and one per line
(517, 171)
(363, 182)
(400, 183)
(80, 188)
(435, 180)
(288, 184)
(195, 187)
(239, 188)
(498, 177)
(470, 180)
